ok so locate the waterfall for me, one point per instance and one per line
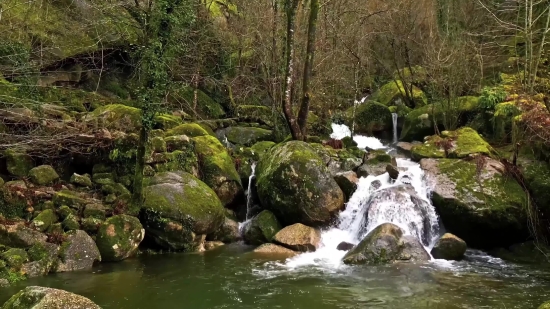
(249, 200)
(339, 131)
(394, 120)
(404, 202)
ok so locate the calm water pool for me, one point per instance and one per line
(234, 277)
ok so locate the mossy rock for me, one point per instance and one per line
(247, 136)
(546, 305)
(116, 117)
(41, 298)
(77, 252)
(15, 257)
(262, 228)
(206, 108)
(419, 122)
(416, 75)
(461, 143)
(486, 211)
(43, 175)
(390, 93)
(167, 121)
(157, 144)
(69, 198)
(13, 203)
(245, 157)
(178, 208)
(81, 180)
(449, 247)
(18, 162)
(294, 183)
(260, 114)
(370, 117)
(46, 218)
(70, 223)
(217, 168)
(94, 211)
(189, 129)
(118, 238)
(537, 179)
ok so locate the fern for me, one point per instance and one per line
(490, 97)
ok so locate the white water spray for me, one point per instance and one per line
(394, 117)
(339, 131)
(404, 202)
(249, 200)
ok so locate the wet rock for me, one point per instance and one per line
(485, 209)
(20, 236)
(178, 209)
(274, 250)
(345, 246)
(362, 171)
(78, 252)
(41, 298)
(210, 245)
(449, 247)
(348, 183)
(294, 183)
(386, 244)
(44, 220)
(119, 237)
(43, 175)
(404, 147)
(375, 185)
(262, 228)
(392, 171)
(81, 180)
(228, 232)
(298, 237)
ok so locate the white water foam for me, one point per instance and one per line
(404, 202)
(339, 131)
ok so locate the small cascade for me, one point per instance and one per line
(404, 202)
(226, 142)
(394, 117)
(339, 131)
(249, 201)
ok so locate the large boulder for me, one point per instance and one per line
(261, 228)
(217, 169)
(78, 252)
(36, 297)
(298, 237)
(449, 247)
(394, 92)
(477, 202)
(294, 183)
(461, 143)
(43, 175)
(386, 244)
(370, 117)
(18, 162)
(20, 236)
(118, 237)
(187, 129)
(247, 136)
(179, 210)
(116, 117)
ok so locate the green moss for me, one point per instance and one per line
(468, 141)
(15, 257)
(391, 92)
(119, 237)
(157, 144)
(46, 218)
(377, 157)
(537, 179)
(262, 228)
(70, 223)
(166, 121)
(206, 107)
(116, 116)
(69, 198)
(247, 136)
(43, 175)
(262, 147)
(370, 117)
(546, 305)
(259, 114)
(189, 129)
(37, 252)
(12, 205)
(18, 162)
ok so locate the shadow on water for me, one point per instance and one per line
(233, 277)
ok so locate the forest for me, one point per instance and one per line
(278, 140)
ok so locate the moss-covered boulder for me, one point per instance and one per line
(537, 179)
(189, 129)
(206, 107)
(386, 244)
(77, 252)
(370, 117)
(118, 238)
(449, 247)
(420, 122)
(261, 228)
(116, 117)
(18, 162)
(36, 297)
(246, 157)
(178, 209)
(546, 305)
(70, 223)
(298, 237)
(44, 220)
(393, 91)
(260, 114)
(43, 175)
(15, 257)
(81, 180)
(42, 258)
(218, 169)
(295, 184)
(477, 202)
(69, 198)
(247, 136)
(461, 143)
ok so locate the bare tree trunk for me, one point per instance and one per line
(308, 67)
(291, 8)
(545, 31)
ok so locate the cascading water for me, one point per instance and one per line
(249, 192)
(394, 117)
(341, 130)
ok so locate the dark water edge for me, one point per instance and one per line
(233, 277)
